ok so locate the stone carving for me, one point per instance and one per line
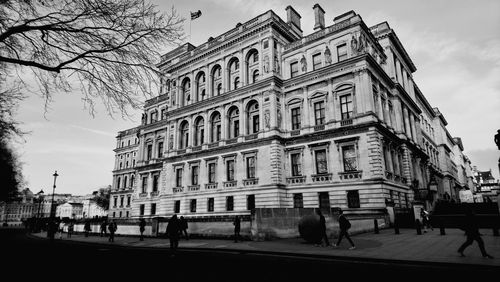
(303, 61)
(170, 142)
(354, 45)
(267, 118)
(328, 55)
(276, 65)
(266, 64)
(358, 45)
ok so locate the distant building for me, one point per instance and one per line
(70, 210)
(487, 186)
(21, 208)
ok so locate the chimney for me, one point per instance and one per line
(293, 19)
(319, 17)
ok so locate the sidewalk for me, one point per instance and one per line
(407, 246)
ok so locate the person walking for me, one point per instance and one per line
(173, 228)
(471, 229)
(103, 231)
(86, 228)
(184, 226)
(344, 225)
(237, 225)
(426, 223)
(60, 229)
(322, 229)
(71, 227)
(142, 227)
(112, 229)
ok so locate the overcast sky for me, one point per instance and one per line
(455, 46)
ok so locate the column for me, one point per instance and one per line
(398, 72)
(272, 54)
(206, 126)
(243, 118)
(306, 106)
(390, 63)
(406, 122)
(243, 69)
(381, 108)
(190, 132)
(413, 130)
(223, 123)
(330, 106)
(273, 109)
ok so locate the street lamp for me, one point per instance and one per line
(52, 213)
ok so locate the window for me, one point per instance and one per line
(216, 80)
(199, 134)
(266, 44)
(250, 202)
(296, 118)
(194, 175)
(192, 205)
(186, 91)
(114, 214)
(178, 177)
(120, 214)
(141, 209)
(219, 89)
(216, 127)
(149, 151)
(229, 203)
(294, 69)
(184, 135)
(122, 198)
(163, 112)
(211, 173)
(255, 76)
(210, 204)
(353, 199)
(234, 122)
(298, 202)
(319, 112)
(236, 83)
(160, 149)
(118, 182)
(346, 106)
(230, 170)
(144, 184)
(153, 209)
(127, 214)
(155, 182)
(132, 180)
(253, 117)
(321, 163)
(251, 167)
(349, 158)
(316, 61)
(296, 164)
(177, 206)
(124, 182)
(115, 201)
(324, 200)
(128, 200)
(342, 52)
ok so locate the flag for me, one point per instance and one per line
(195, 15)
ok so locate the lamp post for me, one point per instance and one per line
(52, 213)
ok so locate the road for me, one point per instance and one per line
(33, 257)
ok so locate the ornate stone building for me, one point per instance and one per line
(265, 117)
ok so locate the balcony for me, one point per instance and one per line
(250, 182)
(155, 193)
(192, 188)
(230, 184)
(196, 149)
(295, 132)
(143, 195)
(251, 137)
(295, 179)
(211, 186)
(213, 145)
(350, 175)
(346, 122)
(319, 127)
(322, 178)
(231, 141)
(178, 189)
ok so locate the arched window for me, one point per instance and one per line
(234, 66)
(186, 91)
(216, 80)
(125, 182)
(199, 132)
(253, 117)
(184, 135)
(216, 127)
(255, 76)
(234, 122)
(219, 89)
(252, 65)
(118, 182)
(236, 83)
(132, 179)
(200, 84)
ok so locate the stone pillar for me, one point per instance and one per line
(362, 96)
(413, 129)
(398, 73)
(271, 56)
(273, 109)
(330, 105)
(190, 132)
(406, 122)
(243, 69)
(390, 64)
(306, 106)
(406, 162)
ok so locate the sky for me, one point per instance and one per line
(455, 46)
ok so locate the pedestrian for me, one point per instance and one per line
(426, 223)
(112, 227)
(184, 226)
(142, 227)
(173, 228)
(237, 226)
(60, 229)
(103, 228)
(71, 227)
(322, 229)
(344, 225)
(471, 229)
(86, 228)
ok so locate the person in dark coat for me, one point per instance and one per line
(173, 228)
(142, 227)
(103, 228)
(86, 228)
(237, 225)
(344, 225)
(322, 230)
(112, 227)
(472, 232)
(184, 226)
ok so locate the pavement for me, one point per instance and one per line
(406, 247)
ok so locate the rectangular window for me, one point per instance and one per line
(324, 200)
(255, 122)
(128, 200)
(141, 209)
(317, 61)
(177, 206)
(229, 203)
(115, 201)
(178, 177)
(342, 52)
(251, 167)
(121, 201)
(149, 152)
(294, 69)
(230, 170)
(192, 205)
(114, 214)
(153, 209)
(120, 214)
(155, 182)
(211, 173)
(210, 204)
(296, 164)
(127, 213)
(319, 112)
(321, 163)
(349, 158)
(194, 175)
(353, 199)
(296, 118)
(250, 202)
(163, 111)
(298, 201)
(346, 106)
(160, 149)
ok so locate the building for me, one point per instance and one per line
(263, 116)
(488, 188)
(70, 210)
(15, 212)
